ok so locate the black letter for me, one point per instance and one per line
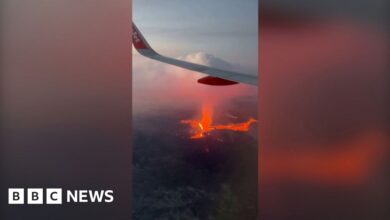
(34, 196)
(51, 196)
(16, 196)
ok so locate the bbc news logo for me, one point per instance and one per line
(57, 196)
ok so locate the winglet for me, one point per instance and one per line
(139, 42)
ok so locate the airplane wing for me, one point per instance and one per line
(216, 76)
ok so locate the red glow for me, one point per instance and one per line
(351, 161)
(204, 125)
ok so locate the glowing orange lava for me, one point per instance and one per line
(204, 125)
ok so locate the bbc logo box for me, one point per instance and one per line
(34, 196)
(16, 196)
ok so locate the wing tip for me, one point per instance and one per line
(139, 41)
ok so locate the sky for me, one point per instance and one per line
(227, 30)
(224, 36)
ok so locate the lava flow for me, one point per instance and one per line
(204, 125)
